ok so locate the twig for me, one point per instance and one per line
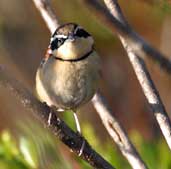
(142, 73)
(144, 78)
(49, 118)
(152, 95)
(138, 45)
(117, 131)
(47, 13)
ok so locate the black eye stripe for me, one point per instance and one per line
(53, 44)
(57, 38)
(56, 42)
(82, 33)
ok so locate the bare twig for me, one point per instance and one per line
(144, 78)
(117, 132)
(142, 73)
(152, 95)
(49, 118)
(47, 13)
(115, 128)
(138, 45)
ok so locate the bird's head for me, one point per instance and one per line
(70, 42)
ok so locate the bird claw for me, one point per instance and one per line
(82, 148)
(49, 119)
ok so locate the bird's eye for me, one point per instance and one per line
(60, 41)
(56, 43)
(82, 33)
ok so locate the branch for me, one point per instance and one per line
(138, 45)
(112, 125)
(144, 78)
(139, 66)
(117, 133)
(47, 13)
(49, 118)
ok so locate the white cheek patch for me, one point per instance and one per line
(76, 49)
(65, 51)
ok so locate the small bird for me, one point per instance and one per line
(69, 74)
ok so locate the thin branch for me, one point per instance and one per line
(47, 13)
(49, 118)
(143, 75)
(138, 45)
(117, 131)
(144, 78)
(152, 95)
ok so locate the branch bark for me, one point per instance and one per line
(143, 76)
(112, 125)
(137, 44)
(138, 64)
(117, 133)
(49, 118)
(47, 13)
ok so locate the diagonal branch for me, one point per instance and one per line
(49, 118)
(112, 125)
(117, 133)
(144, 77)
(138, 45)
(47, 13)
(140, 69)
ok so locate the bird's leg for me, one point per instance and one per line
(77, 123)
(79, 131)
(54, 108)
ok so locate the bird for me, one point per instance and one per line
(68, 76)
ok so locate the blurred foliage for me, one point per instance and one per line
(162, 8)
(42, 151)
(164, 5)
(10, 154)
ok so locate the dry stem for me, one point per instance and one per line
(117, 132)
(143, 75)
(137, 44)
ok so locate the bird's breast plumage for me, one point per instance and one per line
(66, 84)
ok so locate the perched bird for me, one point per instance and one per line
(68, 76)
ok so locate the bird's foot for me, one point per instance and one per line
(82, 148)
(82, 145)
